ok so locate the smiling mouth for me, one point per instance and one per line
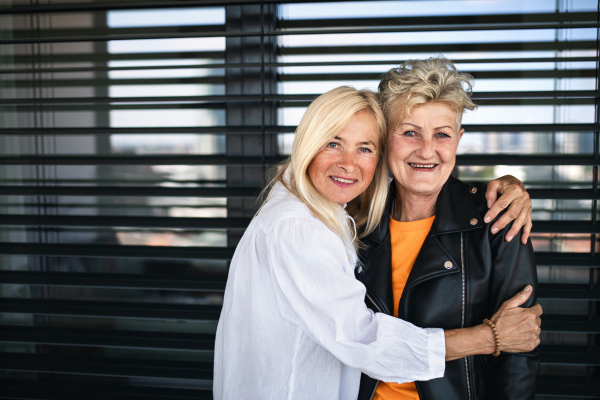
(342, 180)
(423, 166)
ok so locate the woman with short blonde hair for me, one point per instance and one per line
(434, 261)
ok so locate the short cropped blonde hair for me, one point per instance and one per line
(417, 82)
(324, 119)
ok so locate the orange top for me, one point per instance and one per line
(407, 239)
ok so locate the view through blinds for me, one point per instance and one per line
(135, 137)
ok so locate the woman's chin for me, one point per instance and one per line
(342, 199)
(343, 196)
(422, 188)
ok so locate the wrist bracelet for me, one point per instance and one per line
(496, 336)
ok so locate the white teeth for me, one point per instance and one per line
(341, 180)
(421, 165)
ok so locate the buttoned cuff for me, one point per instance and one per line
(436, 352)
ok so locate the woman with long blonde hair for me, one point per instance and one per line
(294, 324)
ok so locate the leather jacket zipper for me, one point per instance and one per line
(374, 390)
(378, 309)
(462, 323)
(373, 302)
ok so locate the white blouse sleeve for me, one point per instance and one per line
(317, 291)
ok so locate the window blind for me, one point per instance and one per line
(135, 137)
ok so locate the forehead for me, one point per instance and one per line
(431, 114)
(361, 127)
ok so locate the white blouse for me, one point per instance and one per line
(294, 323)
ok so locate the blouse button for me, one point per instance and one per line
(359, 269)
(473, 190)
(448, 265)
(473, 221)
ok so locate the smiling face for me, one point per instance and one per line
(422, 148)
(345, 167)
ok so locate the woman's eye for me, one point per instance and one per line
(365, 150)
(442, 135)
(332, 145)
(409, 133)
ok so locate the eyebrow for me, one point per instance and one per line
(367, 142)
(408, 123)
(417, 126)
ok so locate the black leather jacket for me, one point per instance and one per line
(485, 271)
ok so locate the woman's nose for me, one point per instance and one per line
(426, 148)
(347, 161)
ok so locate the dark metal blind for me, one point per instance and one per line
(134, 137)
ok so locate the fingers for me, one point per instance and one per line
(519, 328)
(526, 230)
(514, 213)
(496, 208)
(491, 194)
(521, 213)
(520, 209)
(500, 186)
(520, 298)
(513, 193)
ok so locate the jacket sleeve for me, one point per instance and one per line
(513, 375)
(316, 290)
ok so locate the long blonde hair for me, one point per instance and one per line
(324, 119)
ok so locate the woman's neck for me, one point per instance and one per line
(412, 206)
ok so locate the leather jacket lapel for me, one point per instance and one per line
(452, 215)
(455, 212)
(433, 262)
(455, 209)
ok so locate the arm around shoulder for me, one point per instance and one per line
(317, 291)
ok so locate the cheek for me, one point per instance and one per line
(313, 170)
(398, 151)
(368, 167)
(447, 152)
(317, 170)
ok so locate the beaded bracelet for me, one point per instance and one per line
(496, 335)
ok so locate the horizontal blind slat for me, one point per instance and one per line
(48, 390)
(126, 221)
(230, 192)
(116, 251)
(211, 283)
(79, 365)
(461, 159)
(115, 281)
(289, 64)
(220, 223)
(541, 94)
(107, 338)
(110, 309)
(252, 130)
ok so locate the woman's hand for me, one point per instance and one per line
(512, 192)
(518, 328)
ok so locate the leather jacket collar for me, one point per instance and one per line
(456, 211)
